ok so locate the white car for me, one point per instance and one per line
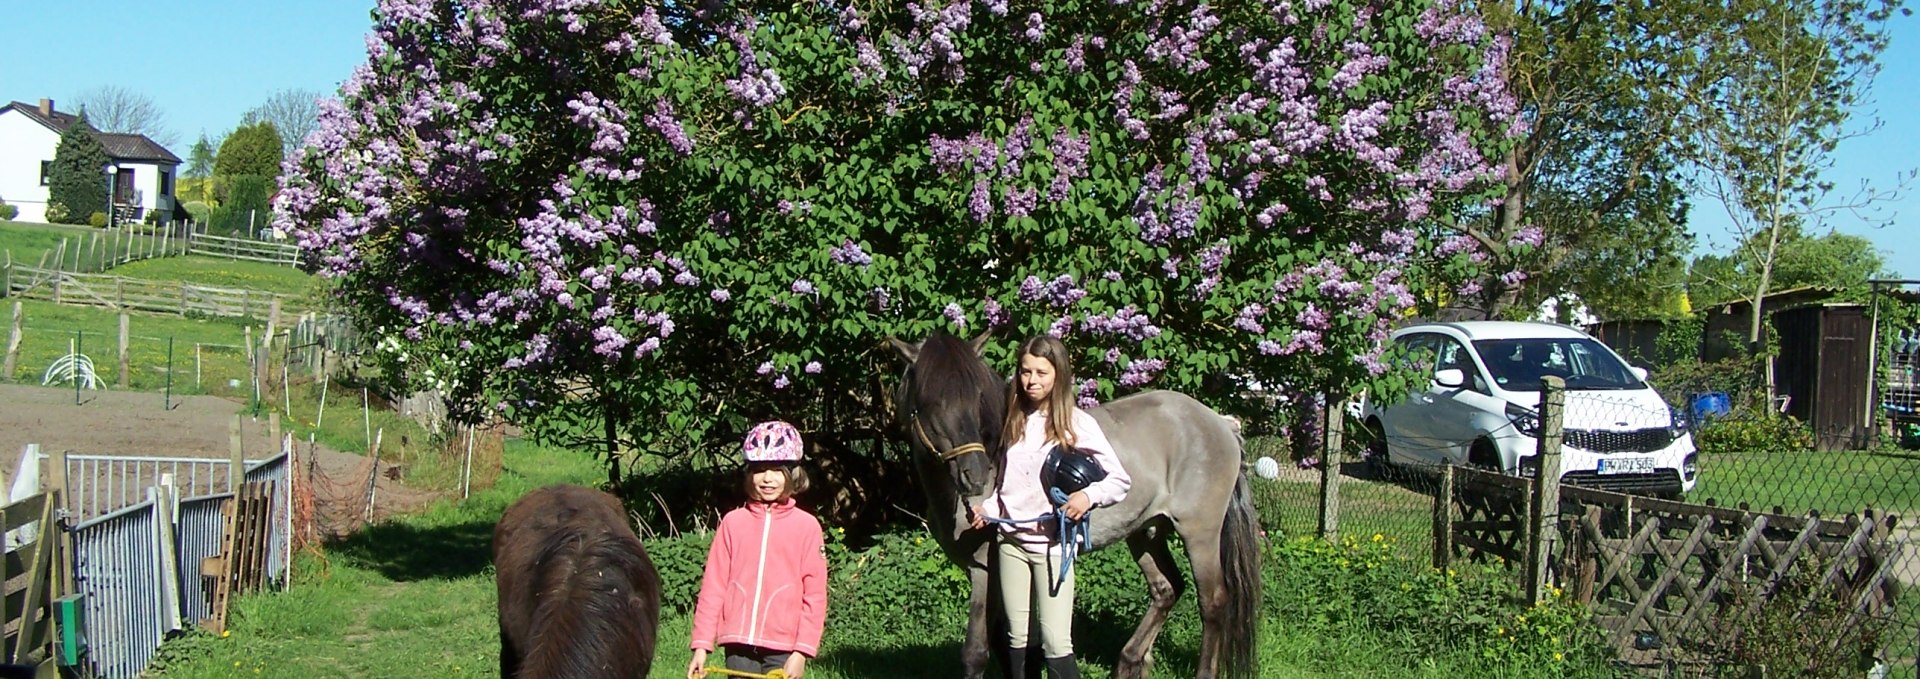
(1481, 408)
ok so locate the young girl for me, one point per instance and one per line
(764, 595)
(1028, 554)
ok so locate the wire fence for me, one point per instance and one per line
(56, 346)
(1717, 536)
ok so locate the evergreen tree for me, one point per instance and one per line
(75, 180)
(248, 206)
(252, 150)
(200, 158)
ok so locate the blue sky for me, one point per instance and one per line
(207, 61)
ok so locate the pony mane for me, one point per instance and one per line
(595, 584)
(947, 365)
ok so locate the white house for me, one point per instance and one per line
(142, 172)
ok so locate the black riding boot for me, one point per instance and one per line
(1017, 663)
(1063, 668)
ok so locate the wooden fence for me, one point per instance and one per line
(247, 249)
(1670, 582)
(32, 583)
(134, 294)
(242, 565)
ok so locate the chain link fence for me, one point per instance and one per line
(1700, 533)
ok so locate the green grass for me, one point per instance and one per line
(1832, 483)
(28, 242)
(415, 597)
(223, 273)
(49, 329)
(344, 427)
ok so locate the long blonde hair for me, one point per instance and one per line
(1059, 405)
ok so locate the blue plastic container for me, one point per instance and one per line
(1711, 404)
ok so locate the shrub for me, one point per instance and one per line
(8, 212)
(97, 220)
(247, 207)
(200, 211)
(1749, 432)
(1367, 584)
(1802, 631)
(56, 212)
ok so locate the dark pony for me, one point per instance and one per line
(578, 596)
(1186, 465)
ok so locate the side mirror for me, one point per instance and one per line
(1639, 372)
(1451, 378)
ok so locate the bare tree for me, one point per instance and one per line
(1768, 131)
(294, 113)
(111, 108)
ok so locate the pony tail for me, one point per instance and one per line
(1240, 565)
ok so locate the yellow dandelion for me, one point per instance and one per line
(1557, 657)
(236, 663)
(227, 633)
(1378, 537)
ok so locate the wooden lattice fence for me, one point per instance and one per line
(1673, 580)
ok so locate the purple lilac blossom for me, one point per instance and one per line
(955, 315)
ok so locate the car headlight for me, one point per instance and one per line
(1525, 420)
(1679, 421)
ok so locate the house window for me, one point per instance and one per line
(46, 168)
(166, 184)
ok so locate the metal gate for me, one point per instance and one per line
(119, 566)
(139, 565)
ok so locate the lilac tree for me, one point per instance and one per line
(646, 224)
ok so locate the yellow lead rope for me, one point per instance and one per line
(777, 673)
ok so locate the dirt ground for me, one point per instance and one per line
(135, 423)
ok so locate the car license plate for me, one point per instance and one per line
(1626, 465)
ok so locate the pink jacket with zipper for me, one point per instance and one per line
(1020, 495)
(766, 581)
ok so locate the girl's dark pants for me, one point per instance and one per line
(744, 658)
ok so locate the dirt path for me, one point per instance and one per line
(135, 423)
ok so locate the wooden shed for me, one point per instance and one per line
(1825, 369)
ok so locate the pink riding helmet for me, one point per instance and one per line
(773, 441)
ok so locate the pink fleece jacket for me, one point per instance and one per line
(1020, 495)
(766, 581)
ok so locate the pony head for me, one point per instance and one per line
(951, 406)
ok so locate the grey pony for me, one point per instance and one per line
(1186, 463)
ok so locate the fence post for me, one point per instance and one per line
(169, 557)
(13, 345)
(1443, 519)
(6, 277)
(235, 456)
(183, 299)
(124, 322)
(1543, 514)
(1335, 430)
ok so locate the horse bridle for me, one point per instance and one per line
(950, 454)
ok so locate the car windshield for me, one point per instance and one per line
(1518, 364)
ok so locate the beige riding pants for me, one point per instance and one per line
(1026, 589)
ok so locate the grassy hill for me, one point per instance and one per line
(28, 242)
(223, 273)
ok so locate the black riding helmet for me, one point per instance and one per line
(1070, 469)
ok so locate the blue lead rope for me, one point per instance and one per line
(1073, 534)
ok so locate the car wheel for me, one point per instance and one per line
(1484, 456)
(1377, 457)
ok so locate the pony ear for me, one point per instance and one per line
(979, 342)
(908, 351)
